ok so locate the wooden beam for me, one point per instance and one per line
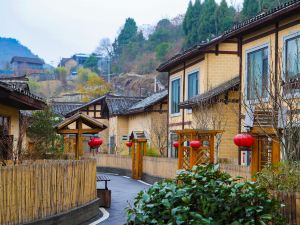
(76, 131)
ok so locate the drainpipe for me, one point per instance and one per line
(183, 95)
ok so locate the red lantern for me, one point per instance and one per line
(175, 144)
(195, 144)
(243, 140)
(95, 142)
(129, 144)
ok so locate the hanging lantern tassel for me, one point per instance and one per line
(195, 144)
(243, 140)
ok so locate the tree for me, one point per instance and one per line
(105, 48)
(41, 131)
(34, 86)
(207, 25)
(62, 73)
(90, 85)
(224, 17)
(92, 63)
(250, 8)
(127, 35)
(159, 134)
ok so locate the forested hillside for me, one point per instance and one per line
(10, 47)
(134, 51)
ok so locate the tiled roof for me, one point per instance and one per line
(209, 95)
(252, 23)
(13, 88)
(120, 104)
(27, 60)
(147, 102)
(62, 108)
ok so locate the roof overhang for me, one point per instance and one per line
(22, 100)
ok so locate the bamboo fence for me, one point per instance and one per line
(45, 188)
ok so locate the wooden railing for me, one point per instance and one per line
(40, 189)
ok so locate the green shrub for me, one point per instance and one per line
(281, 177)
(204, 195)
(152, 152)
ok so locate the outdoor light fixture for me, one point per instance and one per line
(95, 142)
(195, 144)
(175, 144)
(129, 144)
(243, 140)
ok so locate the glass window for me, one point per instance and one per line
(257, 74)
(4, 125)
(175, 96)
(193, 84)
(292, 58)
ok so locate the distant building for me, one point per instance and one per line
(27, 66)
(70, 64)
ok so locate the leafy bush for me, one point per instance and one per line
(152, 152)
(204, 195)
(281, 177)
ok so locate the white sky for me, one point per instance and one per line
(59, 28)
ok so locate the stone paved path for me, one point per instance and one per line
(122, 190)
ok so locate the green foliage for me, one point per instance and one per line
(282, 177)
(204, 195)
(250, 8)
(90, 84)
(152, 152)
(92, 63)
(162, 50)
(34, 86)
(62, 73)
(41, 131)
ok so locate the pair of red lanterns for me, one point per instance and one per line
(95, 142)
(193, 144)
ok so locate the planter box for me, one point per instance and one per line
(105, 197)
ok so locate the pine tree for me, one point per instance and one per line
(250, 8)
(224, 17)
(207, 25)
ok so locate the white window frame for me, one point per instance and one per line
(248, 51)
(170, 97)
(189, 111)
(285, 38)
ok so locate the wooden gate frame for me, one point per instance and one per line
(138, 150)
(195, 155)
(257, 132)
(92, 127)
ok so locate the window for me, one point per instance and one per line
(193, 84)
(4, 125)
(292, 58)
(257, 73)
(175, 96)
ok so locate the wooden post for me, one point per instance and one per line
(255, 157)
(133, 158)
(138, 157)
(275, 151)
(212, 148)
(180, 152)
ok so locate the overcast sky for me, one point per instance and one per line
(59, 28)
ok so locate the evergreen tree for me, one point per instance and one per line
(207, 28)
(127, 34)
(92, 63)
(250, 8)
(224, 17)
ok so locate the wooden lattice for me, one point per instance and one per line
(266, 149)
(187, 156)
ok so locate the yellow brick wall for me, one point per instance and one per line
(228, 122)
(13, 114)
(213, 70)
(270, 40)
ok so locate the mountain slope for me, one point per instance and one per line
(10, 47)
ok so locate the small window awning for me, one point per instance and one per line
(94, 125)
